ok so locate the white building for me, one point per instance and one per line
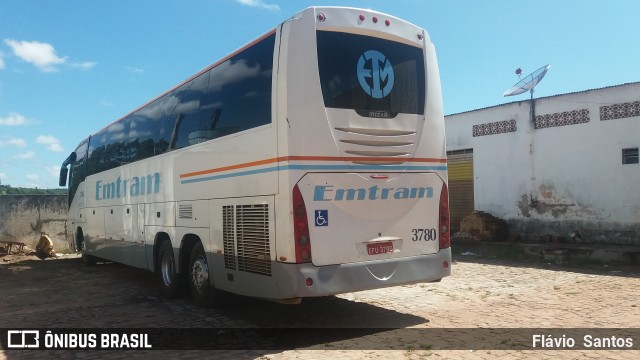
(573, 173)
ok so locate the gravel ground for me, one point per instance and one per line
(414, 321)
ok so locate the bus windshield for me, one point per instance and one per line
(375, 77)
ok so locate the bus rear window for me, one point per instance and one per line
(373, 76)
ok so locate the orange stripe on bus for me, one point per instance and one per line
(232, 167)
(307, 158)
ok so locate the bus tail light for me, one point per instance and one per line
(301, 228)
(443, 222)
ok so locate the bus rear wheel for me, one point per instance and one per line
(202, 290)
(166, 270)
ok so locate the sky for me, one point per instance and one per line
(68, 68)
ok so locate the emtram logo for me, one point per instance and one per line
(375, 74)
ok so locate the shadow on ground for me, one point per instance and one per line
(63, 294)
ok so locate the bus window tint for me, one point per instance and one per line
(397, 87)
(116, 146)
(78, 174)
(234, 96)
(167, 123)
(97, 156)
(240, 90)
(187, 105)
(143, 132)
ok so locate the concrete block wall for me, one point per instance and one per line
(24, 217)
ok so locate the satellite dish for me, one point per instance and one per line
(528, 83)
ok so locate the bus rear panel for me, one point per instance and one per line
(366, 154)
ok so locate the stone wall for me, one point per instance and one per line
(24, 217)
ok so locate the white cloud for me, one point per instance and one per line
(259, 4)
(13, 142)
(14, 119)
(1, 62)
(105, 103)
(135, 70)
(4, 177)
(25, 156)
(50, 142)
(39, 54)
(86, 65)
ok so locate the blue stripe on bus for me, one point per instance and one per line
(316, 167)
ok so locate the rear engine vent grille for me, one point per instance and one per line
(246, 238)
(252, 236)
(228, 237)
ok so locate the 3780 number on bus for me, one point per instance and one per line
(424, 234)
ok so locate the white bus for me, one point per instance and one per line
(310, 162)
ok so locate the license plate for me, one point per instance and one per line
(380, 248)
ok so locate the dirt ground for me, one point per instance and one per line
(414, 321)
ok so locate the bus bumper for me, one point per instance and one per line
(307, 280)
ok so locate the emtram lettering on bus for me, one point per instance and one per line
(136, 186)
(328, 193)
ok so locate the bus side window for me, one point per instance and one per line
(117, 143)
(241, 89)
(166, 124)
(97, 157)
(184, 111)
(142, 132)
(231, 97)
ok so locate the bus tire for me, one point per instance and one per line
(202, 290)
(85, 259)
(167, 271)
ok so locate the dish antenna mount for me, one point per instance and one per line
(527, 84)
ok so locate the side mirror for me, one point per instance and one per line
(64, 171)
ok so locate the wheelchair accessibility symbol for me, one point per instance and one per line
(322, 217)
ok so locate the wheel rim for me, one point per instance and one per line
(167, 269)
(200, 273)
